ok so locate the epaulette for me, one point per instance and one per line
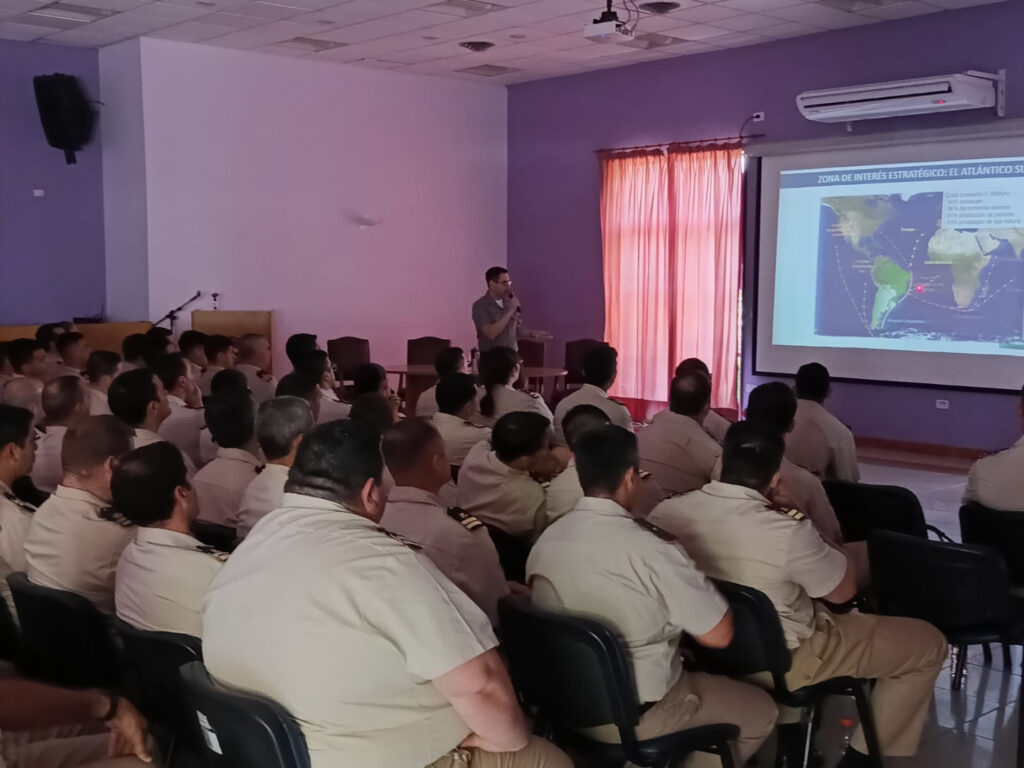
(21, 503)
(398, 537)
(213, 552)
(796, 514)
(534, 395)
(675, 495)
(111, 515)
(461, 516)
(661, 533)
(260, 468)
(644, 474)
(471, 424)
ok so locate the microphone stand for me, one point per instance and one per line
(172, 315)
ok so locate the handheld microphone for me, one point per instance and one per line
(519, 310)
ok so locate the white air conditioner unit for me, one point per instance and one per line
(926, 95)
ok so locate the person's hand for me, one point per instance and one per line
(128, 733)
(512, 303)
(541, 336)
(519, 589)
(396, 405)
(193, 397)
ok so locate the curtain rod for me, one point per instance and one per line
(695, 143)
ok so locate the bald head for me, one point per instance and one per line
(64, 400)
(254, 349)
(414, 453)
(25, 393)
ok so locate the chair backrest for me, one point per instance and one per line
(66, 639)
(573, 669)
(863, 508)
(1002, 531)
(348, 353)
(953, 586)
(758, 643)
(242, 729)
(532, 353)
(511, 552)
(575, 351)
(423, 350)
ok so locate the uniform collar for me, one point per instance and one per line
(330, 394)
(442, 416)
(729, 491)
(669, 415)
(74, 494)
(55, 430)
(275, 469)
(148, 435)
(175, 400)
(314, 504)
(246, 367)
(603, 507)
(595, 389)
(212, 369)
(813, 405)
(238, 454)
(501, 467)
(408, 494)
(166, 538)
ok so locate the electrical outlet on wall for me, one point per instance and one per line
(942, 405)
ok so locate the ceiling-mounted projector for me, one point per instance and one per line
(607, 28)
(926, 95)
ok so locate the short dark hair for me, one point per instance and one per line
(217, 344)
(67, 340)
(101, 363)
(94, 440)
(812, 382)
(600, 365)
(693, 364)
(15, 425)
(144, 481)
(130, 394)
(405, 444)
(454, 391)
(61, 396)
(492, 274)
(21, 351)
(3, 354)
(298, 345)
(229, 380)
(366, 379)
(772, 404)
(134, 346)
(751, 454)
(449, 360)
(371, 414)
(47, 333)
(156, 347)
(603, 457)
(279, 421)
(298, 385)
(582, 419)
(690, 393)
(313, 362)
(496, 367)
(519, 434)
(334, 462)
(189, 340)
(231, 418)
(159, 330)
(170, 368)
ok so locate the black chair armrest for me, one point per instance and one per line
(939, 534)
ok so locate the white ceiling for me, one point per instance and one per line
(534, 38)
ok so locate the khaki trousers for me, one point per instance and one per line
(539, 753)
(60, 748)
(903, 655)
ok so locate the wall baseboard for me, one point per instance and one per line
(922, 449)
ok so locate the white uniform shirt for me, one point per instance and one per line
(162, 580)
(148, 437)
(565, 492)
(98, 404)
(599, 561)
(261, 384)
(822, 443)
(207, 448)
(206, 377)
(501, 496)
(997, 481)
(344, 626)
(221, 484)
(588, 394)
(716, 425)
(262, 496)
(508, 399)
(677, 451)
(332, 410)
(182, 428)
(459, 436)
(426, 403)
(71, 547)
(15, 520)
(48, 470)
(733, 533)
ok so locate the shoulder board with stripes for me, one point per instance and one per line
(796, 514)
(661, 533)
(212, 552)
(21, 503)
(399, 538)
(461, 516)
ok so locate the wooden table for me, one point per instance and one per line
(423, 377)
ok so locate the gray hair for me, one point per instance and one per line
(279, 421)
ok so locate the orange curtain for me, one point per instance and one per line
(671, 225)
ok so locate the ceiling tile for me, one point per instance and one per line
(898, 10)
(12, 31)
(283, 50)
(169, 11)
(389, 25)
(112, 5)
(818, 15)
(737, 39)
(232, 20)
(788, 29)
(963, 3)
(265, 35)
(697, 32)
(746, 22)
(188, 32)
(758, 5)
(707, 13)
(209, 5)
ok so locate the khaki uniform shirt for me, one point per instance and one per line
(48, 470)
(677, 451)
(70, 547)
(65, 370)
(262, 496)
(344, 626)
(221, 484)
(15, 520)
(822, 443)
(261, 384)
(501, 496)
(508, 399)
(162, 580)
(426, 403)
(716, 425)
(487, 311)
(597, 560)
(565, 492)
(459, 436)
(203, 382)
(457, 543)
(146, 437)
(997, 481)
(207, 448)
(734, 533)
(182, 428)
(98, 404)
(588, 394)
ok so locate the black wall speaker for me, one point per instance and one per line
(67, 114)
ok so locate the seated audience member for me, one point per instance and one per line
(372, 415)
(674, 448)
(164, 573)
(714, 423)
(298, 346)
(495, 482)
(192, 345)
(997, 481)
(228, 380)
(370, 379)
(73, 350)
(600, 561)
(456, 401)
(565, 491)
(456, 542)
(316, 365)
(157, 345)
(222, 355)
(100, 370)
(301, 385)
(26, 392)
(600, 367)
(254, 361)
(733, 532)
(281, 423)
(304, 611)
(64, 405)
(17, 452)
(819, 441)
(6, 371)
(47, 335)
(75, 540)
(28, 358)
(185, 422)
(133, 350)
(45, 727)
(230, 417)
(138, 398)
(448, 361)
(499, 370)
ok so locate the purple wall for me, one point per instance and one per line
(51, 247)
(554, 180)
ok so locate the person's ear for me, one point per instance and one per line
(776, 478)
(296, 442)
(373, 498)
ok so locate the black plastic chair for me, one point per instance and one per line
(759, 646)
(155, 660)
(222, 537)
(575, 673)
(862, 508)
(10, 636)
(348, 353)
(424, 350)
(512, 553)
(66, 640)
(242, 729)
(575, 351)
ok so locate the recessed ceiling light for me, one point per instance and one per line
(309, 44)
(659, 7)
(68, 12)
(476, 46)
(464, 7)
(653, 40)
(488, 70)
